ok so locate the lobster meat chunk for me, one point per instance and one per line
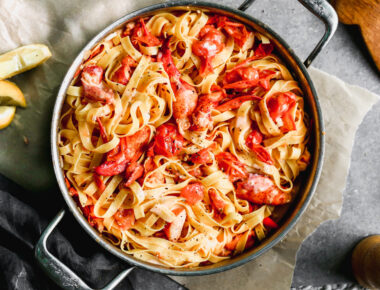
(141, 34)
(210, 43)
(128, 150)
(186, 95)
(93, 87)
(173, 230)
(124, 73)
(261, 189)
(202, 115)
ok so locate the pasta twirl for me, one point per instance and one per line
(181, 134)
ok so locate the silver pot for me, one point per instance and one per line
(64, 277)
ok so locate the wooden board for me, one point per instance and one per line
(366, 14)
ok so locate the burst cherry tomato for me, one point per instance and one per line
(280, 106)
(254, 138)
(264, 49)
(125, 218)
(193, 193)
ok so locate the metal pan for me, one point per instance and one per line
(65, 278)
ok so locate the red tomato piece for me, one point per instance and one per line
(168, 141)
(264, 49)
(125, 218)
(193, 193)
(254, 138)
(280, 106)
(231, 166)
(203, 156)
(268, 222)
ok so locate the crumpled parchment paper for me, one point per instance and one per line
(344, 107)
(66, 26)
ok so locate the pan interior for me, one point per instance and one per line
(305, 184)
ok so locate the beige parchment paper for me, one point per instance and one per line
(66, 26)
(344, 107)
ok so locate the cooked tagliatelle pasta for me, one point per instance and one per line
(181, 134)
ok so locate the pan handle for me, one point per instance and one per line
(324, 11)
(59, 272)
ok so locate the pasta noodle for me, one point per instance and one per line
(180, 135)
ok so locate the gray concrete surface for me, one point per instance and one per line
(324, 257)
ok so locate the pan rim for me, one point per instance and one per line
(59, 173)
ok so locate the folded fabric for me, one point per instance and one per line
(20, 228)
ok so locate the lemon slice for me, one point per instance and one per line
(22, 59)
(11, 95)
(7, 114)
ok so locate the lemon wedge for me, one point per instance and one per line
(22, 59)
(7, 114)
(11, 95)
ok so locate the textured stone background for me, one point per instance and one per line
(324, 256)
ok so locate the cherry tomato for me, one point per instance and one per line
(168, 141)
(268, 222)
(279, 106)
(125, 218)
(193, 193)
(264, 49)
(231, 166)
(254, 138)
(203, 157)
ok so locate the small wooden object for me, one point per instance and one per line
(366, 262)
(366, 14)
